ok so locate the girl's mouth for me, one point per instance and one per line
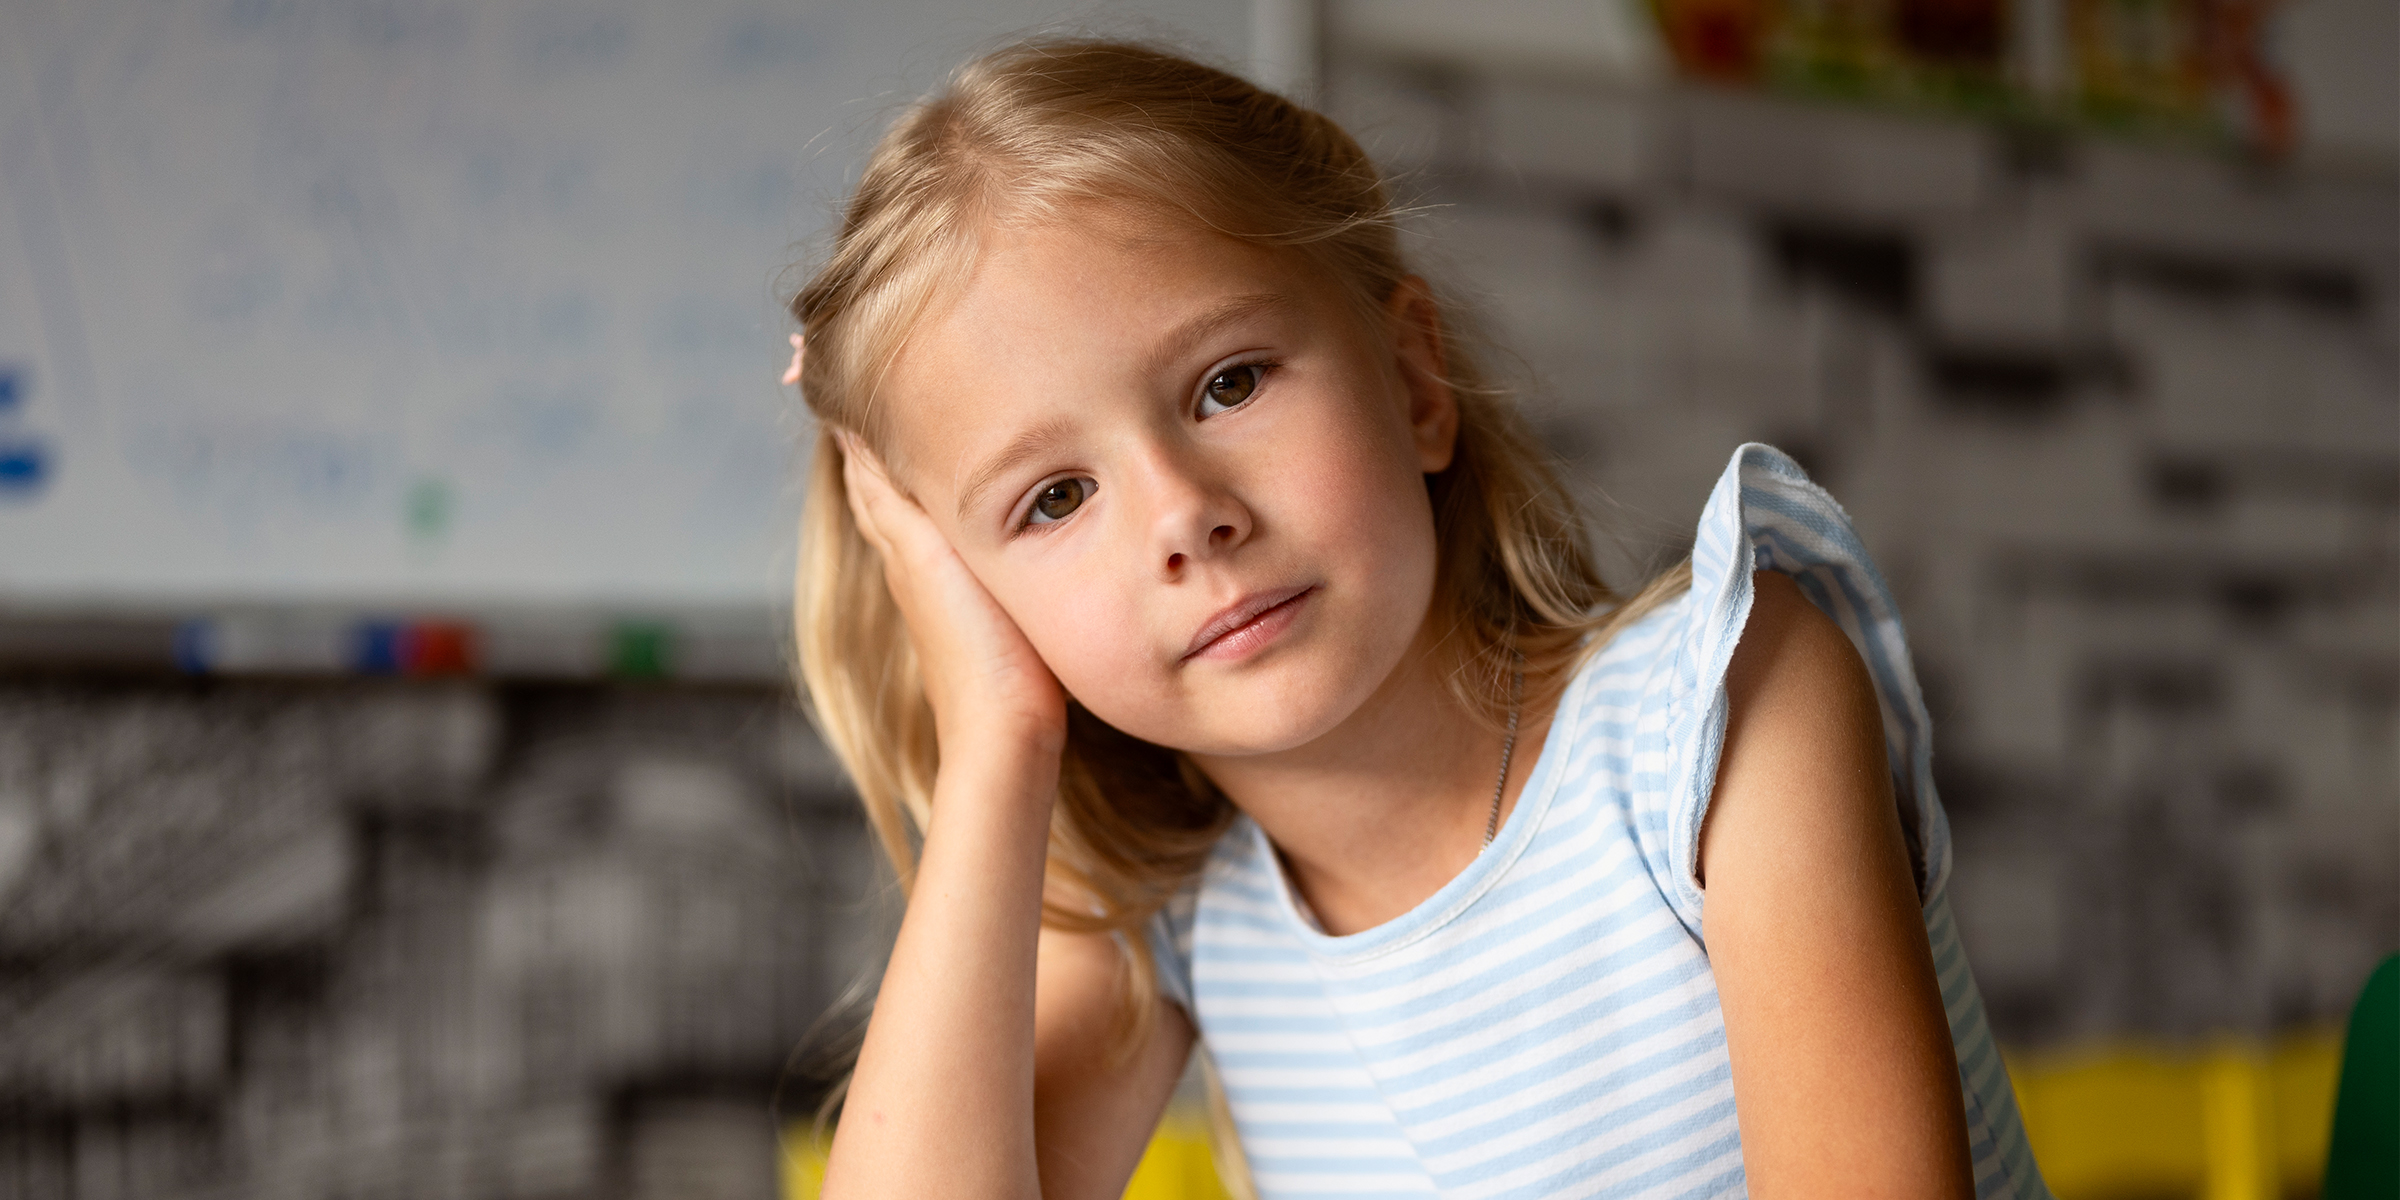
(1248, 623)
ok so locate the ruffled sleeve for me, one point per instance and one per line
(1764, 514)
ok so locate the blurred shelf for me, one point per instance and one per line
(725, 645)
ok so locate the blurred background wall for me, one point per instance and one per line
(398, 792)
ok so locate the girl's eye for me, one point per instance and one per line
(1055, 501)
(1230, 387)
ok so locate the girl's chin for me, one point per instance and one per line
(1261, 729)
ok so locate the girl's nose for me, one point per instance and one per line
(1194, 517)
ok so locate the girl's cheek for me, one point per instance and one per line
(1083, 630)
(1352, 491)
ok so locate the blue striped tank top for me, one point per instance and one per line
(1546, 1024)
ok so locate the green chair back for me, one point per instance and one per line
(2363, 1161)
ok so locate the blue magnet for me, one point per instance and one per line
(24, 459)
(375, 648)
(24, 467)
(196, 646)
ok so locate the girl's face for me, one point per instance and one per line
(1187, 469)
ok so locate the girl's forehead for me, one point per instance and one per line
(1098, 291)
(1090, 237)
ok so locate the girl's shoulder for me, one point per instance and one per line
(1763, 513)
(1663, 676)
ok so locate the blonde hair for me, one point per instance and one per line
(1022, 135)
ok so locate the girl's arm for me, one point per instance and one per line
(1845, 1082)
(983, 1075)
(1093, 1110)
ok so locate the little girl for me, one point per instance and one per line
(1218, 657)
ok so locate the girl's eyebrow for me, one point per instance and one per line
(1183, 339)
(1031, 443)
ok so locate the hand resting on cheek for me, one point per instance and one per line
(982, 677)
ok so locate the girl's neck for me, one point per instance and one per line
(1378, 814)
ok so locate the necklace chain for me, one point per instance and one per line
(1508, 748)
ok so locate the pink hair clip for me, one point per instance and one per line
(791, 374)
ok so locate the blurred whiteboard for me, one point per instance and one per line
(430, 301)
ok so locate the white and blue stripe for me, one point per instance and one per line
(1546, 1024)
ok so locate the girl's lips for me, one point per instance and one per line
(1248, 624)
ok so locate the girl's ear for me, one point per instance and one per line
(1416, 325)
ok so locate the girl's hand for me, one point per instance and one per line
(981, 675)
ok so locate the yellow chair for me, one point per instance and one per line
(1177, 1166)
(2234, 1121)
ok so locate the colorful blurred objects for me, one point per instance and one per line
(1971, 34)
(2196, 64)
(2140, 59)
(1722, 41)
(2169, 67)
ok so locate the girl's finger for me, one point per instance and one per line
(858, 483)
(857, 454)
(854, 493)
(899, 524)
(893, 520)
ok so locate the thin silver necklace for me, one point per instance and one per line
(1516, 692)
